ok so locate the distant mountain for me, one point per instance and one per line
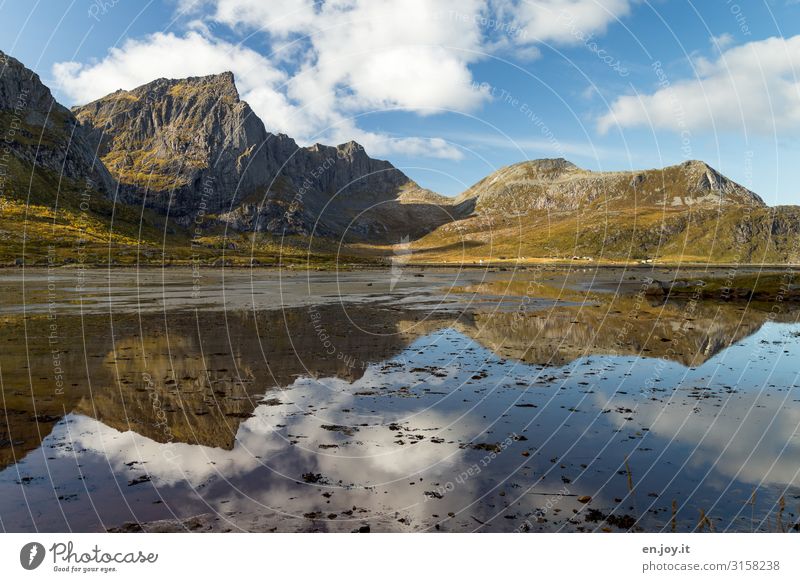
(553, 209)
(191, 147)
(556, 184)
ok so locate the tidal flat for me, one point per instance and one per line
(409, 400)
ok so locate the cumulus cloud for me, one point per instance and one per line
(754, 87)
(330, 62)
(139, 61)
(560, 21)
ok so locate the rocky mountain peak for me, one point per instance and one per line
(21, 89)
(705, 183)
(350, 148)
(42, 133)
(550, 166)
(179, 145)
(557, 184)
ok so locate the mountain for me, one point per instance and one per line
(553, 209)
(44, 141)
(559, 185)
(206, 384)
(180, 171)
(559, 336)
(192, 148)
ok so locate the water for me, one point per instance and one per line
(415, 409)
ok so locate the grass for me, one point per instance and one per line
(663, 235)
(46, 221)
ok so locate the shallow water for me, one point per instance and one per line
(399, 408)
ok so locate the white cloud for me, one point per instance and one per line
(138, 62)
(723, 41)
(279, 17)
(754, 87)
(333, 61)
(560, 21)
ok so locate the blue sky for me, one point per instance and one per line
(451, 90)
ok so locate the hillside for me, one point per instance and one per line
(553, 210)
(183, 171)
(559, 185)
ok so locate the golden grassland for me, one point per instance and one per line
(61, 222)
(623, 236)
(45, 219)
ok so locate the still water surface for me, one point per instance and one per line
(435, 404)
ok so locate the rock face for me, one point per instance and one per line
(183, 146)
(559, 185)
(41, 135)
(193, 149)
(195, 153)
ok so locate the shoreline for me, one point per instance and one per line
(347, 267)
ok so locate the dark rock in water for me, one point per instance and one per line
(346, 430)
(127, 527)
(621, 521)
(138, 480)
(594, 516)
(656, 287)
(314, 478)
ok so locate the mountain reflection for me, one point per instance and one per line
(330, 418)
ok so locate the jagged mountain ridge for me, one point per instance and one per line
(175, 143)
(192, 149)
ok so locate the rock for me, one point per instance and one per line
(655, 288)
(193, 147)
(48, 135)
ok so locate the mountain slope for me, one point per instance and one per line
(556, 184)
(59, 205)
(193, 149)
(551, 209)
(185, 171)
(41, 134)
(54, 193)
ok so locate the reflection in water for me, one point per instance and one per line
(334, 418)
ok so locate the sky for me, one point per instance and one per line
(451, 90)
